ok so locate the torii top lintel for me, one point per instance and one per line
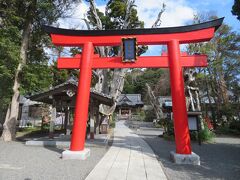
(154, 36)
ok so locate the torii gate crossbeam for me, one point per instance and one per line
(172, 37)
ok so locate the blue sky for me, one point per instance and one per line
(221, 8)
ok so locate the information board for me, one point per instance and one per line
(129, 49)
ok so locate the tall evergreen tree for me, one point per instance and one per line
(221, 78)
(25, 19)
(236, 9)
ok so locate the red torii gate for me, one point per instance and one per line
(172, 37)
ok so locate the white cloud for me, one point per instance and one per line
(75, 21)
(177, 12)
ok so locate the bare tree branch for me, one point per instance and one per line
(94, 11)
(158, 21)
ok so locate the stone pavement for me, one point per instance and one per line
(129, 157)
(20, 162)
(219, 159)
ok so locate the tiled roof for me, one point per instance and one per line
(72, 82)
(130, 100)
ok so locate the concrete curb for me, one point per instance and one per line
(66, 143)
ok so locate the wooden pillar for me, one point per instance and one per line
(66, 120)
(130, 114)
(182, 137)
(97, 122)
(53, 119)
(82, 99)
(92, 119)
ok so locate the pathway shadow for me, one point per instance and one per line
(218, 161)
(54, 149)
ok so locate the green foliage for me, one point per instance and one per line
(167, 125)
(228, 131)
(149, 116)
(59, 76)
(46, 126)
(206, 134)
(135, 81)
(9, 48)
(116, 18)
(169, 137)
(116, 14)
(236, 9)
(15, 16)
(232, 128)
(220, 80)
(235, 125)
(35, 78)
(142, 115)
(112, 124)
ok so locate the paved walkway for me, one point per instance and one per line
(130, 157)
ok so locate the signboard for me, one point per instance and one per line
(129, 49)
(192, 123)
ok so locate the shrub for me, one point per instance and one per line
(232, 129)
(206, 134)
(29, 124)
(194, 135)
(45, 126)
(112, 124)
(142, 115)
(235, 125)
(168, 137)
(149, 116)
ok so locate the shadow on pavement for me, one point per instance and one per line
(218, 161)
(54, 149)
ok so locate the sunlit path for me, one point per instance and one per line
(130, 157)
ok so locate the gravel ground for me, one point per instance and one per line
(219, 160)
(20, 162)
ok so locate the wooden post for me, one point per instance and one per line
(97, 119)
(92, 119)
(66, 119)
(82, 99)
(182, 137)
(53, 119)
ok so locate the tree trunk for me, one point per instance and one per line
(118, 75)
(154, 103)
(117, 82)
(9, 126)
(210, 102)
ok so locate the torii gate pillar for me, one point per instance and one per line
(77, 150)
(181, 131)
(183, 153)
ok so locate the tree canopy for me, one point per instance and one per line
(236, 9)
(219, 82)
(24, 64)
